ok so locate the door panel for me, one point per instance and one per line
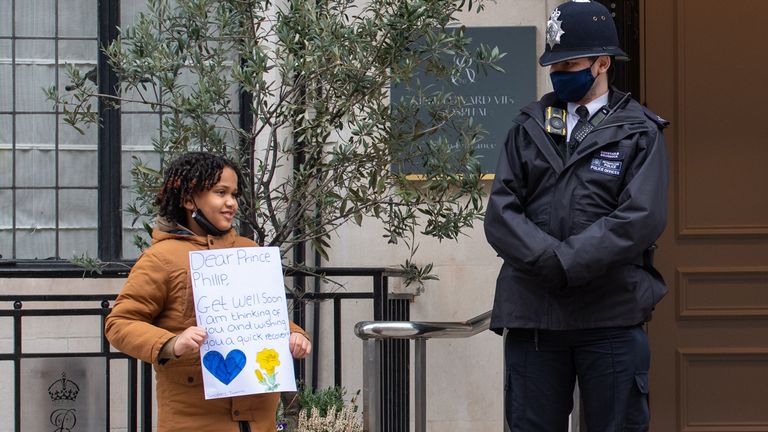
(719, 84)
(704, 69)
(712, 389)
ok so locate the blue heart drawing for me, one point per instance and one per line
(225, 370)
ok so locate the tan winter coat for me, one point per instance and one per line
(155, 305)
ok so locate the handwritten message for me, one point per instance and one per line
(240, 301)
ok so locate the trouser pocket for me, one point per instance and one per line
(637, 414)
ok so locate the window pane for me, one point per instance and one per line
(78, 242)
(6, 155)
(35, 168)
(30, 82)
(35, 71)
(35, 130)
(6, 224)
(226, 126)
(35, 233)
(6, 244)
(78, 52)
(35, 244)
(82, 55)
(140, 95)
(78, 168)
(35, 155)
(35, 18)
(77, 18)
(148, 158)
(6, 77)
(35, 51)
(78, 219)
(138, 130)
(6, 169)
(70, 138)
(130, 251)
(6, 209)
(6, 131)
(129, 10)
(77, 208)
(36, 209)
(6, 17)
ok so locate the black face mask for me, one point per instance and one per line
(205, 224)
(573, 86)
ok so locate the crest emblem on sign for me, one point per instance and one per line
(554, 29)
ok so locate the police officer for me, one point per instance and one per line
(578, 200)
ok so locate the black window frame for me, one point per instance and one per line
(109, 221)
(109, 155)
(56, 38)
(109, 217)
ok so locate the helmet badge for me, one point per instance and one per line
(554, 29)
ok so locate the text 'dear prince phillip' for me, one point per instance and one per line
(240, 302)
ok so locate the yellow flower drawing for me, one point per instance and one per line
(268, 359)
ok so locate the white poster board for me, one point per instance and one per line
(240, 301)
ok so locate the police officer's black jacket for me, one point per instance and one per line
(599, 211)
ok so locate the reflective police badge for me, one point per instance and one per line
(554, 29)
(607, 162)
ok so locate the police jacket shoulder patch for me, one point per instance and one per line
(661, 122)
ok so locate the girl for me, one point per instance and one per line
(153, 318)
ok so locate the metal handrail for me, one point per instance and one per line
(373, 333)
(422, 329)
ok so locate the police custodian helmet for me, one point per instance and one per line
(580, 28)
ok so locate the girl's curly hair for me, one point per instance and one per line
(187, 175)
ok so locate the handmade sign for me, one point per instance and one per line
(240, 302)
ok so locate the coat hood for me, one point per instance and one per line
(169, 230)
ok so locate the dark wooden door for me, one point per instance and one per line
(705, 68)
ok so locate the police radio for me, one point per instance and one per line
(578, 134)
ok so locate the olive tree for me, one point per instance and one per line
(325, 146)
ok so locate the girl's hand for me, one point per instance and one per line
(300, 346)
(189, 341)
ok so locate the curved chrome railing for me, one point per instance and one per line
(422, 329)
(374, 332)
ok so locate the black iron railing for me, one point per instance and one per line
(139, 409)
(394, 355)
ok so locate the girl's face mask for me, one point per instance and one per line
(572, 86)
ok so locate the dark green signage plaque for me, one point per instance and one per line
(493, 99)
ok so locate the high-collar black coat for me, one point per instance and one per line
(599, 211)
